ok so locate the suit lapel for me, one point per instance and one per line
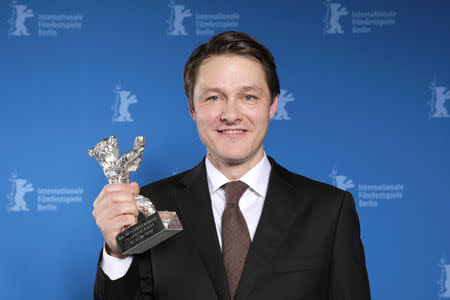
(280, 209)
(195, 207)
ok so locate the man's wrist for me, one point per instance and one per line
(113, 253)
(114, 267)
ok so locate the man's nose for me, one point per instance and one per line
(231, 112)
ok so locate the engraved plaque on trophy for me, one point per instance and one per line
(156, 226)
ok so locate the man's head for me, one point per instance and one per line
(231, 43)
(233, 90)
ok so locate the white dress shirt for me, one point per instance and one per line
(251, 202)
(251, 205)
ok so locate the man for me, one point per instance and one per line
(285, 237)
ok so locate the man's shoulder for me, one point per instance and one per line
(165, 184)
(162, 192)
(303, 184)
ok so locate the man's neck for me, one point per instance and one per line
(235, 170)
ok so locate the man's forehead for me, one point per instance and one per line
(204, 88)
(230, 72)
(234, 58)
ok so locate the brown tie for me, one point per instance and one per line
(235, 236)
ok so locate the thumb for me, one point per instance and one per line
(134, 188)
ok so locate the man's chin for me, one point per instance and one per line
(237, 159)
(231, 160)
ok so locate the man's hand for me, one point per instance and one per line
(114, 210)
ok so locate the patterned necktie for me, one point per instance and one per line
(235, 236)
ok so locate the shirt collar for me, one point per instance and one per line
(256, 178)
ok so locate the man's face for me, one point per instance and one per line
(232, 109)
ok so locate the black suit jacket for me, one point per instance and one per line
(307, 246)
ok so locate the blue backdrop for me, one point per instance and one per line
(364, 106)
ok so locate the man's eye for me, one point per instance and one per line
(213, 98)
(249, 97)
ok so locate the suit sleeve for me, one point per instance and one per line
(136, 284)
(348, 275)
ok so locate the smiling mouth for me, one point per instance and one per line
(232, 131)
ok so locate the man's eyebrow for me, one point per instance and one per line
(247, 88)
(212, 89)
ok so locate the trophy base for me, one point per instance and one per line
(153, 230)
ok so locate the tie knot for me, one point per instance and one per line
(234, 190)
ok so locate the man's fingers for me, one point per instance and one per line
(117, 197)
(112, 198)
(116, 209)
(121, 222)
(108, 213)
(134, 188)
(124, 208)
(127, 220)
(112, 187)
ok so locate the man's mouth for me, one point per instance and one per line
(231, 131)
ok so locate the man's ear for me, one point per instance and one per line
(192, 110)
(273, 107)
